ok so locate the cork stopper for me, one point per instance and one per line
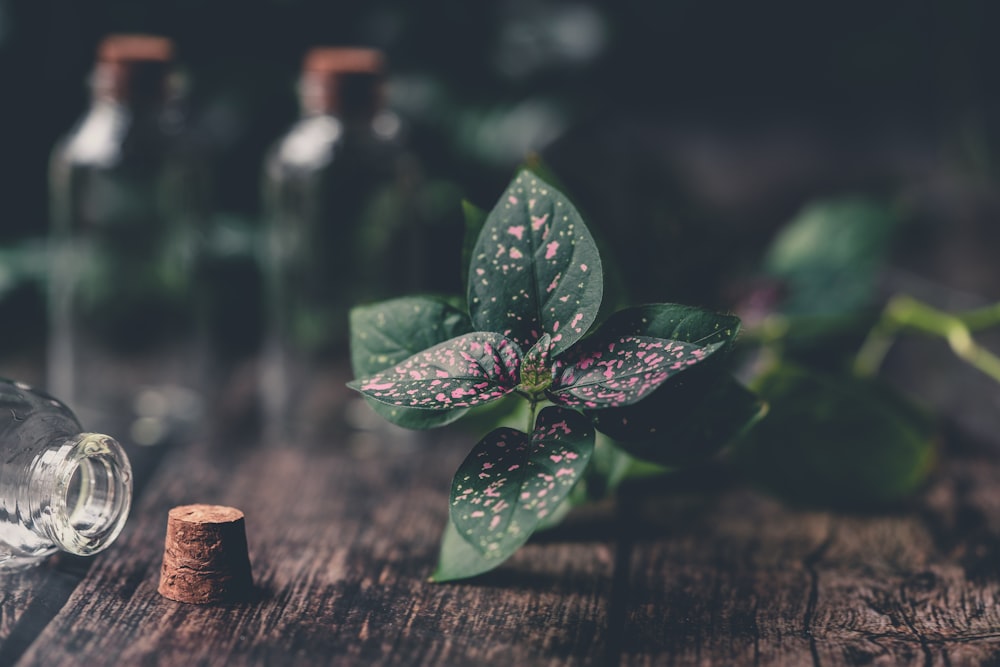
(205, 556)
(344, 60)
(132, 68)
(343, 81)
(131, 48)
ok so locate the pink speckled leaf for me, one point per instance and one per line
(606, 374)
(465, 371)
(535, 268)
(510, 481)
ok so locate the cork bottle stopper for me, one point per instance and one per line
(124, 47)
(132, 68)
(346, 81)
(205, 556)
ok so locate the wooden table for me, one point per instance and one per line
(343, 536)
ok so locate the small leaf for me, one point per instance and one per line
(536, 367)
(384, 334)
(604, 374)
(469, 370)
(836, 440)
(535, 268)
(509, 483)
(682, 425)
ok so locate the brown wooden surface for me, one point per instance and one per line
(342, 538)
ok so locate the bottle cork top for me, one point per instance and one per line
(126, 47)
(346, 81)
(345, 60)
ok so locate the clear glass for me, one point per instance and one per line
(124, 331)
(341, 229)
(60, 489)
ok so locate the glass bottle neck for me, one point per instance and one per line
(80, 491)
(353, 98)
(136, 85)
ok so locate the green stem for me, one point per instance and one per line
(532, 409)
(906, 313)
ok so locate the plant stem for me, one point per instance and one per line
(532, 408)
(904, 312)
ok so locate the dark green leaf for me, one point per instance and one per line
(673, 322)
(836, 440)
(829, 256)
(469, 370)
(535, 268)
(601, 373)
(682, 424)
(509, 483)
(384, 334)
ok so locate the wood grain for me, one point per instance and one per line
(341, 547)
(743, 580)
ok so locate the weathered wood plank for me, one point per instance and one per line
(341, 547)
(744, 580)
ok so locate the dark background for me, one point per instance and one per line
(687, 130)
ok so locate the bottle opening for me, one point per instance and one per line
(93, 495)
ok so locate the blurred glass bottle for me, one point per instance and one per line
(60, 489)
(124, 210)
(341, 228)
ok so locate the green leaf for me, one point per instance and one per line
(384, 334)
(535, 268)
(673, 322)
(602, 373)
(458, 559)
(468, 370)
(510, 482)
(836, 440)
(829, 256)
(682, 424)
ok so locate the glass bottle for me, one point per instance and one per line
(340, 229)
(60, 488)
(124, 215)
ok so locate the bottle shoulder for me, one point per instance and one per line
(110, 134)
(20, 403)
(315, 141)
(97, 137)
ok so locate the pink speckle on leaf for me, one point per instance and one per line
(538, 220)
(551, 249)
(516, 230)
(583, 267)
(515, 253)
(376, 386)
(512, 199)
